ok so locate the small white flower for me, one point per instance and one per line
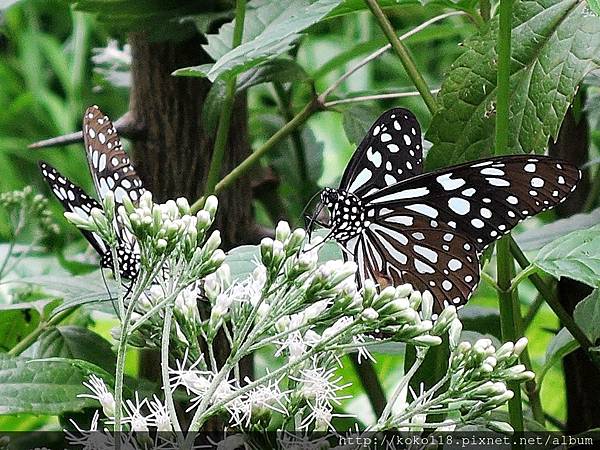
(193, 380)
(101, 393)
(320, 386)
(256, 402)
(133, 415)
(363, 350)
(341, 324)
(159, 415)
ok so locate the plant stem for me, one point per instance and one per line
(367, 375)
(401, 386)
(522, 275)
(323, 97)
(24, 343)
(251, 160)
(367, 98)
(505, 264)
(403, 54)
(214, 171)
(164, 356)
(546, 292)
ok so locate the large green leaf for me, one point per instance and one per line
(555, 43)
(587, 315)
(561, 345)
(536, 238)
(74, 342)
(46, 386)
(270, 29)
(357, 119)
(76, 291)
(576, 256)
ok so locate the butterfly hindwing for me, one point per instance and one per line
(481, 200)
(73, 199)
(390, 152)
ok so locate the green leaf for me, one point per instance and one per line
(587, 315)
(76, 291)
(536, 238)
(353, 6)
(357, 120)
(560, 346)
(594, 6)
(74, 342)
(555, 43)
(576, 256)
(282, 70)
(46, 386)
(270, 29)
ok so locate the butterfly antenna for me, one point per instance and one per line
(112, 301)
(311, 218)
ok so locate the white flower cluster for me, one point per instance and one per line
(481, 372)
(140, 415)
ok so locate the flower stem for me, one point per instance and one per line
(401, 386)
(403, 54)
(164, 356)
(505, 263)
(24, 343)
(251, 160)
(214, 171)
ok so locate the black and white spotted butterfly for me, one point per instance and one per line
(111, 170)
(428, 229)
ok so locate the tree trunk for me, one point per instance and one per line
(172, 154)
(582, 378)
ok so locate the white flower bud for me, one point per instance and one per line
(263, 310)
(427, 340)
(79, 221)
(520, 346)
(210, 205)
(282, 324)
(370, 314)
(217, 257)
(213, 242)
(161, 244)
(426, 305)
(282, 231)
(404, 290)
(454, 333)
(491, 361)
(415, 300)
(183, 205)
(505, 351)
(315, 310)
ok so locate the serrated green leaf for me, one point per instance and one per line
(560, 346)
(587, 315)
(46, 386)
(555, 43)
(576, 256)
(282, 70)
(74, 342)
(536, 238)
(357, 120)
(270, 29)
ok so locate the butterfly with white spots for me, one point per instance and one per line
(401, 225)
(111, 171)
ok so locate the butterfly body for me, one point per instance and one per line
(401, 225)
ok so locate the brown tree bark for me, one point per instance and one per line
(172, 153)
(582, 378)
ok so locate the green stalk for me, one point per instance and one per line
(24, 343)
(505, 265)
(255, 156)
(546, 291)
(214, 171)
(485, 9)
(164, 356)
(403, 54)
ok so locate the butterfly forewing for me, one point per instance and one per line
(391, 152)
(484, 199)
(73, 199)
(110, 165)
